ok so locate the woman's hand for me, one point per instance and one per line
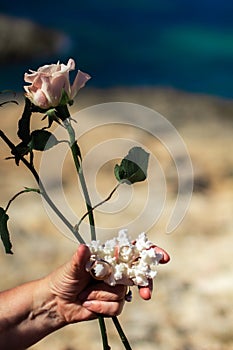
(78, 296)
(81, 298)
(67, 295)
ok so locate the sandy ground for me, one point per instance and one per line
(192, 303)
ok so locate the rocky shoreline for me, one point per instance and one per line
(22, 40)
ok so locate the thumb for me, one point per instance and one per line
(70, 279)
(77, 268)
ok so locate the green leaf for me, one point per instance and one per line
(133, 167)
(42, 140)
(4, 233)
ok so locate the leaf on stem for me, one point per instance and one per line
(42, 140)
(133, 167)
(4, 233)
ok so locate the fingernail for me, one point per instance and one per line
(87, 303)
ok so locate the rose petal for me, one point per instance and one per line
(79, 82)
(71, 64)
(38, 98)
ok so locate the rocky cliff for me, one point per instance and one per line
(22, 40)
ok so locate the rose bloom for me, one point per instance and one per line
(49, 83)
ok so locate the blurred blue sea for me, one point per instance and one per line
(180, 44)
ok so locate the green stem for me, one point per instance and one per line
(103, 333)
(11, 101)
(121, 333)
(40, 184)
(96, 206)
(18, 194)
(77, 161)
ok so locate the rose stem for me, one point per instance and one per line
(121, 333)
(17, 195)
(96, 206)
(77, 161)
(103, 333)
(76, 155)
(42, 189)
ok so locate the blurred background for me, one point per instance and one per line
(173, 56)
(173, 43)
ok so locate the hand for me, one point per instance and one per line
(67, 295)
(146, 292)
(80, 297)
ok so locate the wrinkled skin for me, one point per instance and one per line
(69, 294)
(80, 297)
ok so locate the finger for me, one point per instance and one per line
(70, 279)
(165, 256)
(146, 292)
(80, 258)
(103, 292)
(106, 308)
(76, 314)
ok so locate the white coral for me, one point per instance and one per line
(127, 262)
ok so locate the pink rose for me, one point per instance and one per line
(50, 81)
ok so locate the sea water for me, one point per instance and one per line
(180, 44)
